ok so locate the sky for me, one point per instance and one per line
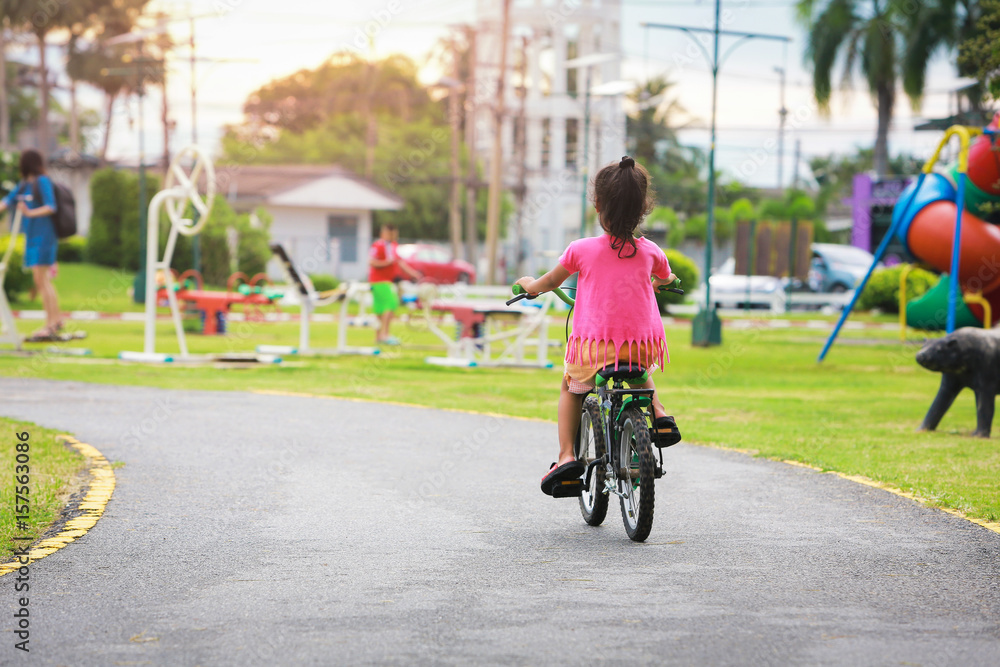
(243, 44)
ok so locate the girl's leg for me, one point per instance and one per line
(47, 291)
(658, 410)
(570, 405)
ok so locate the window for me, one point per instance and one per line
(344, 228)
(546, 140)
(572, 33)
(572, 138)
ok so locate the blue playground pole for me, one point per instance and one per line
(956, 251)
(878, 256)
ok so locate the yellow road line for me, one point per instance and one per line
(875, 484)
(102, 485)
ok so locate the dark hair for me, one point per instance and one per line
(624, 195)
(387, 228)
(32, 163)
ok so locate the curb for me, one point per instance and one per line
(90, 508)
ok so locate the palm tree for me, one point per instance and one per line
(654, 123)
(884, 41)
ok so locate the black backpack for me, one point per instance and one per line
(64, 219)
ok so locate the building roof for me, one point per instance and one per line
(302, 186)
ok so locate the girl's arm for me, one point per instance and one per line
(546, 283)
(35, 212)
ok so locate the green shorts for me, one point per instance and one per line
(384, 297)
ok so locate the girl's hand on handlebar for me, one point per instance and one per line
(661, 282)
(524, 282)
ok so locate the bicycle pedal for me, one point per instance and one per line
(570, 488)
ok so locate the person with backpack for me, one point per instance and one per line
(35, 198)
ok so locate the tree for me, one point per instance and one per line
(884, 41)
(322, 116)
(979, 53)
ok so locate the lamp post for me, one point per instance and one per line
(707, 327)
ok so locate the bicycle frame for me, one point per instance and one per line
(611, 402)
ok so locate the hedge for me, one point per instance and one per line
(882, 290)
(685, 269)
(114, 231)
(17, 280)
(72, 250)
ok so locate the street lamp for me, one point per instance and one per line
(707, 327)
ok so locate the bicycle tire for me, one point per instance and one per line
(590, 446)
(636, 476)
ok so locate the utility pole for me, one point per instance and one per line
(521, 148)
(454, 214)
(4, 111)
(782, 116)
(798, 154)
(470, 146)
(707, 327)
(493, 204)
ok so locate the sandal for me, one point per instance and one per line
(665, 432)
(562, 481)
(43, 335)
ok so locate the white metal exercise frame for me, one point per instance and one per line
(8, 328)
(310, 300)
(515, 342)
(180, 189)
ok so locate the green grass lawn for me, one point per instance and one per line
(762, 390)
(52, 471)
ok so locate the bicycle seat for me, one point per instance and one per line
(624, 372)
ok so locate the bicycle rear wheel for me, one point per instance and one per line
(590, 446)
(636, 476)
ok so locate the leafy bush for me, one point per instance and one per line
(882, 290)
(72, 250)
(742, 210)
(323, 282)
(668, 216)
(696, 227)
(685, 269)
(114, 223)
(18, 280)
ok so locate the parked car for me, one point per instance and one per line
(837, 268)
(435, 263)
(730, 290)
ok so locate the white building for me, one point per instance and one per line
(322, 214)
(544, 35)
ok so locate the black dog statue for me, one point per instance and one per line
(970, 358)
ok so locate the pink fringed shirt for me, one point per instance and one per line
(615, 303)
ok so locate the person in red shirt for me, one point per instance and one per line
(382, 263)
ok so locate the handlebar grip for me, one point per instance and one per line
(520, 296)
(675, 290)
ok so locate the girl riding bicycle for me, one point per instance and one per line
(616, 319)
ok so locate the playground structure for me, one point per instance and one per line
(309, 300)
(181, 189)
(489, 333)
(961, 203)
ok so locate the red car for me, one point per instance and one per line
(435, 264)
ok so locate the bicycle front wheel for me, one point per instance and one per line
(636, 475)
(590, 446)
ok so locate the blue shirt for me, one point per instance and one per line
(40, 233)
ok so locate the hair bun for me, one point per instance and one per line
(626, 162)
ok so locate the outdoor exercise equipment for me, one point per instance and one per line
(309, 300)
(489, 333)
(931, 214)
(181, 189)
(8, 328)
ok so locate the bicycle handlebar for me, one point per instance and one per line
(569, 301)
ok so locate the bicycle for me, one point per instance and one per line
(614, 441)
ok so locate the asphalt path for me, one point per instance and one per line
(252, 529)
